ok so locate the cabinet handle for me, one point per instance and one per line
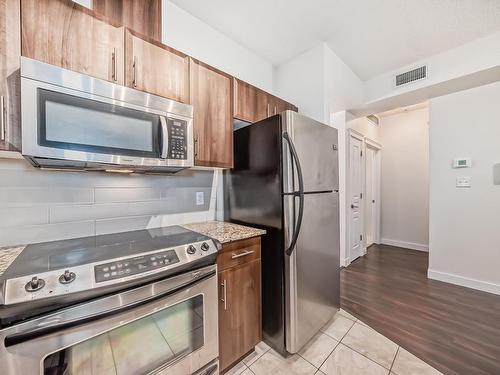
(268, 109)
(2, 118)
(134, 66)
(243, 254)
(224, 293)
(275, 110)
(196, 145)
(113, 65)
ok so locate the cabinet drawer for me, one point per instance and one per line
(239, 252)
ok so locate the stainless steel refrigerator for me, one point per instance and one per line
(285, 180)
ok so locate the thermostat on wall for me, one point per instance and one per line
(462, 163)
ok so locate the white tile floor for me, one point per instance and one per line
(345, 346)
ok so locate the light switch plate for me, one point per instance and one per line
(463, 182)
(496, 174)
(200, 198)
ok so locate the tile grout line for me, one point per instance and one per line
(338, 342)
(362, 353)
(394, 360)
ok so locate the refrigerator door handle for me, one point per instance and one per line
(299, 194)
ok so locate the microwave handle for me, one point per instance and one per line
(164, 137)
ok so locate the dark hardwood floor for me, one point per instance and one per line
(454, 329)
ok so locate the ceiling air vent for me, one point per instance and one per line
(411, 76)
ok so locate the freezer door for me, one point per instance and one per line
(312, 277)
(316, 146)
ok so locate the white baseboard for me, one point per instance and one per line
(464, 281)
(404, 244)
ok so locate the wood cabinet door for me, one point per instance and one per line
(239, 311)
(211, 95)
(250, 103)
(10, 50)
(143, 16)
(155, 68)
(63, 33)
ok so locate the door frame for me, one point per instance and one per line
(351, 133)
(366, 142)
(377, 173)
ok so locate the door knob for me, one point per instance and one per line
(353, 206)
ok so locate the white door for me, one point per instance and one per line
(370, 183)
(355, 198)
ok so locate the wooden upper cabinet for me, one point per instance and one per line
(63, 33)
(210, 95)
(143, 16)
(279, 105)
(10, 50)
(253, 104)
(155, 68)
(250, 103)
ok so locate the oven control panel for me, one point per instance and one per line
(89, 276)
(134, 266)
(177, 134)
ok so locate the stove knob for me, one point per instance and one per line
(191, 249)
(67, 277)
(34, 285)
(205, 247)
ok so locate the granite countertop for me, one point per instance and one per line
(7, 256)
(225, 232)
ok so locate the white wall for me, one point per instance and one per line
(302, 82)
(405, 179)
(464, 223)
(38, 205)
(319, 83)
(190, 35)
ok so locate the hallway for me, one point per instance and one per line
(454, 329)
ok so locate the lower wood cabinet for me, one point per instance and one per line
(240, 313)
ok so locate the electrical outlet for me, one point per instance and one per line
(200, 198)
(463, 182)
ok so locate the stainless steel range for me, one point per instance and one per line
(128, 303)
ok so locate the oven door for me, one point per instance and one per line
(166, 327)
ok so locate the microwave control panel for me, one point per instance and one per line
(177, 135)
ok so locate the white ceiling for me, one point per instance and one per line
(371, 36)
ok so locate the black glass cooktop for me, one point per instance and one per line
(56, 255)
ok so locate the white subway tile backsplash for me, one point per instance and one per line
(60, 214)
(126, 224)
(126, 194)
(26, 234)
(38, 205)
(32, 196)
(11, 217)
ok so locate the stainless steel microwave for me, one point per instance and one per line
(70, 120)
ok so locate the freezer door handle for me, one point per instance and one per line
(299, 194)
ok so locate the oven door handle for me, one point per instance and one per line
(114, 304)
(164, 137)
